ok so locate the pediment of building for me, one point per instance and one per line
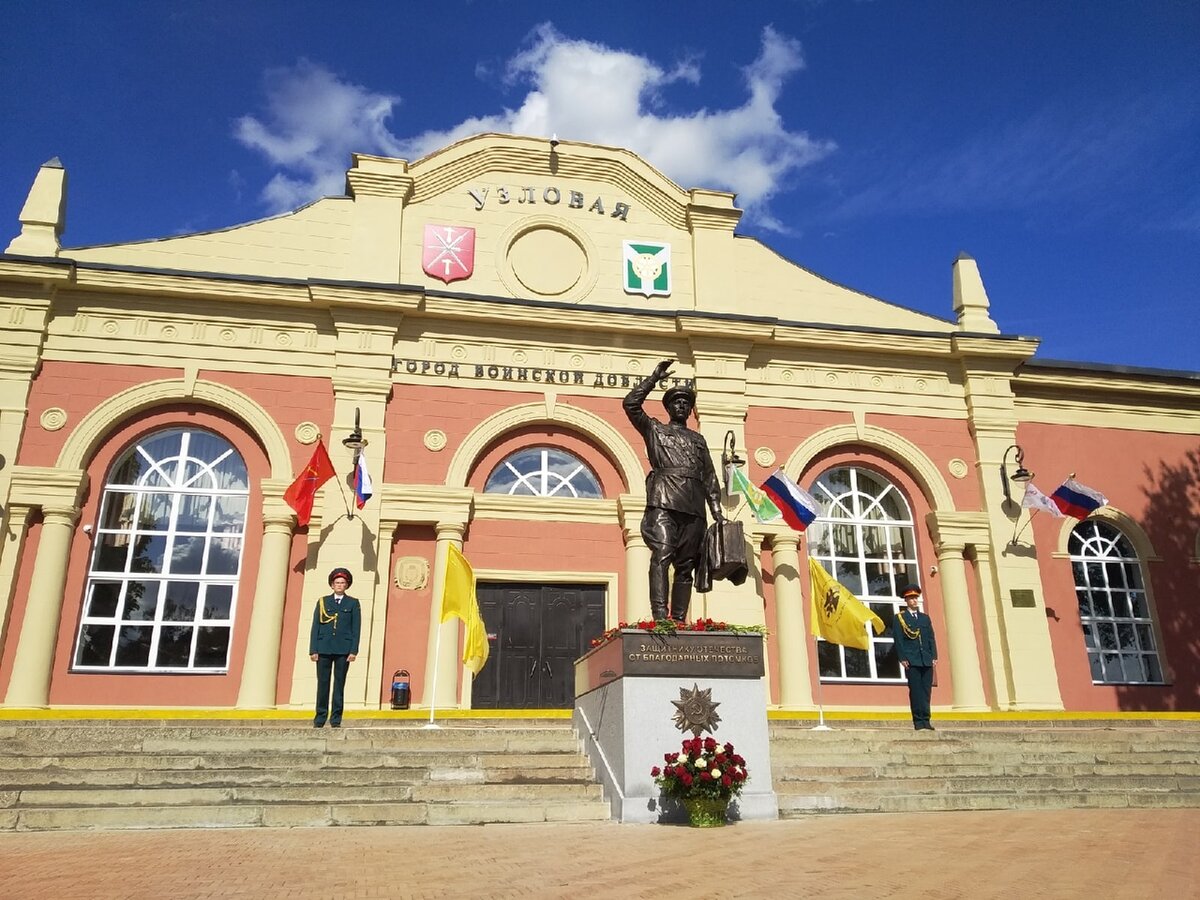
(521, 218)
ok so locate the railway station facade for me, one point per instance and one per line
(479, 314)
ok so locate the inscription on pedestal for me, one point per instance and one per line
(710, 654)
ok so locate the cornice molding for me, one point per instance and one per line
(959, 528)
(42, 271)
(43, 487)
(1039, 383)
(424, 504)
(968, 346)
(551, 509)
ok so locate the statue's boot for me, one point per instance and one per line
(658, 611)
(681, 598)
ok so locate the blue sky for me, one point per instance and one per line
(1056, 142)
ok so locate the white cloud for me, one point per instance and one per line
(316, 120)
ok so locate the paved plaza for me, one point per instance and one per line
(1116, 853)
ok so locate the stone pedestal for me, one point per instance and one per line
(624, 712)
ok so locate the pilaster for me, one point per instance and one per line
(380, 188)
(57, 494)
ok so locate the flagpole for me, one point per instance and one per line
(820, 726)
(1028, 522)
(353, 474)
(437, 649)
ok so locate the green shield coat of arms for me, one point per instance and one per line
(647, 268)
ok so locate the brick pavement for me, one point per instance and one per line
(1026, 854)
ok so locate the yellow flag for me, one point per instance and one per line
(458, 599)
(837, 615)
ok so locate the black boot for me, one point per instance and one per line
(681, 598)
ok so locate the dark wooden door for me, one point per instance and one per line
(535, 632)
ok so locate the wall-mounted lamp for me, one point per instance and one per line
(554, 141)
(355, 440)
(1021, 475)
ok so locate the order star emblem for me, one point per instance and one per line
(695, 710)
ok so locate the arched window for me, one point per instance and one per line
(865, 538)
(1118, 630)
(162, 584)
(544, 472)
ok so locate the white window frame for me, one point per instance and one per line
(1098, 550)
(543, 481)
(856, 503)
(131, 529)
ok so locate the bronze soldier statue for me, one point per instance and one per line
(680, 484)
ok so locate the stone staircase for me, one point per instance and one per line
(59, 775)
(67, 775)
(887, 767)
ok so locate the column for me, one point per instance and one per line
(635, 598)
(795, 686)
(960, 629)
(30, 683)
(260, 669)
(443, 662)
(636, 602)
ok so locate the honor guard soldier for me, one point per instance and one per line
(333, 645)
(917, 649)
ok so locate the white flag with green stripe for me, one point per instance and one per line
(764, 508)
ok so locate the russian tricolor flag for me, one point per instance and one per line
(798, 506)
(1077, 500)
(362, 482)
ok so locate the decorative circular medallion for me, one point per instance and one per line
(169, 331)
(547, 261)
(635, 365)
(227, 335)
(958, 467)
(54, 418)
(788, 375)
(831, 378)
(435, 439)
(110, 327)
(307, 432)
(922, 384)
(876, 381)
(576, 361)
(458, 351)
(519, 356)
(764, 456)
(283, 339)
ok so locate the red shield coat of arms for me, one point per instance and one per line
(449, 252)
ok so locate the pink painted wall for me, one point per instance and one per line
(99, 689)
(941, 440)
(81, 387)
(1155, 480)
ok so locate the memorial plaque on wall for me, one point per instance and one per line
(1022, 598)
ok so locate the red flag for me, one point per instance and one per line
(299, 496)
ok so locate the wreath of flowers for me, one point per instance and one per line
(670, 626)
(702, 768)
